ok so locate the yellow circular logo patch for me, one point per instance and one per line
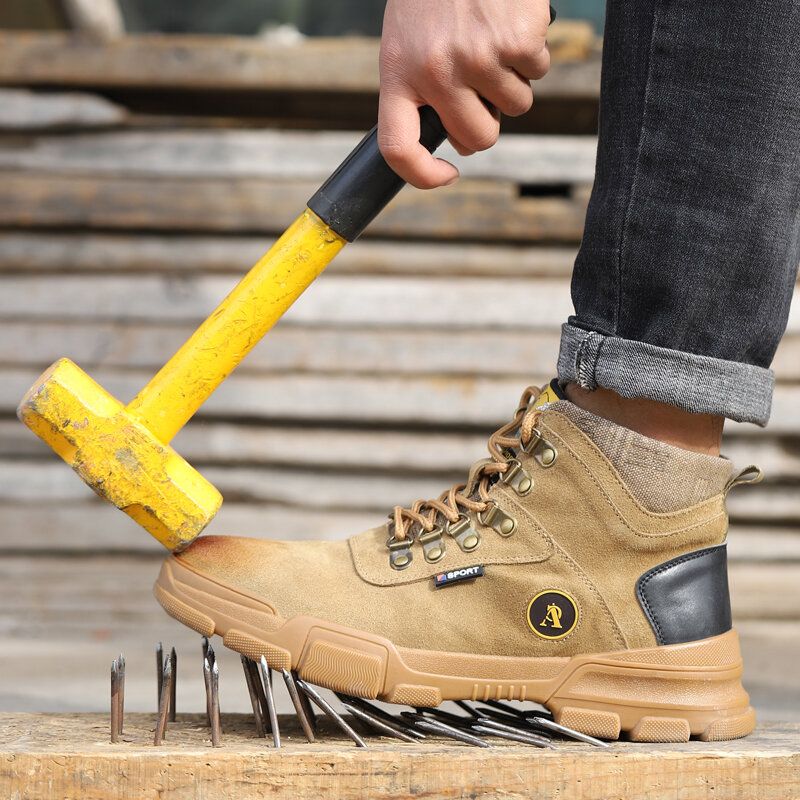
(552, 614)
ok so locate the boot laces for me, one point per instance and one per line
(472, 495)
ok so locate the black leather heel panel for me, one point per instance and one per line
(687, 598)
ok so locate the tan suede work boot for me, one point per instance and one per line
(582, 566)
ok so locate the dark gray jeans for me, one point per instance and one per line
(689, 257)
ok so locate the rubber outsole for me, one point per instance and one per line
(659, 694)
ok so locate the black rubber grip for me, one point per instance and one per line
(364, 183)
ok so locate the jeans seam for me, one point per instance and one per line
(623, 238)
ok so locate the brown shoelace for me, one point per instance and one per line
(473, 495)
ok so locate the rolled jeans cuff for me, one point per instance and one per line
(700, 384)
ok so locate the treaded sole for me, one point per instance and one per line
(659, 694)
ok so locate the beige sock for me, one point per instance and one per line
(663, 478)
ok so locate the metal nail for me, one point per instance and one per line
(114, 701)
(464, 706)
(581, 737)
(255, 676)
(207, 684)
(506, 708)
(306, 703)
(159, 672)
(273, 716)
(305, 723)
(537, 712)
(445, 716)
(377, 724)
(216, 721)
(314, 695)
(500, 716)
(204, 644)
(490, 724)
(163, 705)
(121, 695)
(398, 723)
(518, 725)
(254, 701)
(173, 687)
(513, 736)
(432, 726)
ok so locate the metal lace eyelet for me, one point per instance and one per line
(545, 454)
(467, 538)
(494, 517)
(516, 477)
(543, 451)
(432, 545)
(400, 555)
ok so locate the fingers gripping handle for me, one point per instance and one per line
(364, 183)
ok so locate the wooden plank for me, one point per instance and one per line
(223, 443)
(226, 63)
(776, 504)
(25, 481)
(64, 756)
(190, 62)
(97, 527)
(473, 210)
(276, 154)
(751, 543)
(456, 401)
(382, 301)
(292, 347)
(21, 110)
(754, 589)
(50, 523)
(300, 347)
(460, 401)
(110, 253)
(778, 457)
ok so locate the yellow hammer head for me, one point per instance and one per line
(117, 456)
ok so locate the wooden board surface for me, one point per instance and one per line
(67, 756)
(140, 253)
(225, 62)
(276, 154)
(473, 210)
(453, 401)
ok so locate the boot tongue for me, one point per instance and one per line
(551, 393)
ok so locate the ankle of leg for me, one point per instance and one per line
(700, 433)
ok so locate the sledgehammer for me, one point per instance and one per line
(123, 452)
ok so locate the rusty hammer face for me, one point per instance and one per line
(122, 452)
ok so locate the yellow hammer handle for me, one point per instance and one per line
(214, 350)
(338, 212)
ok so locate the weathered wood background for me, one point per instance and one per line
(140, 178)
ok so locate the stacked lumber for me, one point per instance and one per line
(121, 229)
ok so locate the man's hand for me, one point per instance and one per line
(470, 60)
